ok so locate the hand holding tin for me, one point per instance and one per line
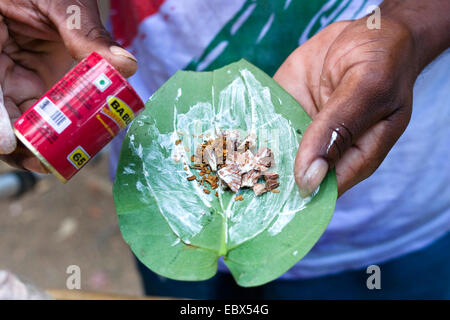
(37, 49)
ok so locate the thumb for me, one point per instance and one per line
(7, 137)
(82, 31)
(345, 116)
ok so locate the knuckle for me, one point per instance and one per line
(97, 32)
(370, 166)
(340, 139)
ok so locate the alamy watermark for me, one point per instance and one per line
(374, 20)
(74, 17)
(374, 280)
(73, 281)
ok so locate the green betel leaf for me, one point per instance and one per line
(179, 231)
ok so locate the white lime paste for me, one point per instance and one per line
(244, 104)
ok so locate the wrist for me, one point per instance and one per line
(428, 23)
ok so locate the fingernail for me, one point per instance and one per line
(312, 178)
(118, 51)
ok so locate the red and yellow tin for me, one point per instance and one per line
(78, 117)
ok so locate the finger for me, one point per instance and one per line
(23, 17)
(292, 78)
(24, 106)
(23, 159)
(354, 107)
(301, 71)
(7, 137)
(369, 151)
(21, 84)
(41, 31)
(11, 108)
(33, 164)
(90, 35)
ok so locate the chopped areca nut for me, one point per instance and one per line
(250, 178)
(206, 191)
(239, 198)
(231, 176)
(212, 180)
(219, 148)
(270, 176)
(209, 157)
(264, 158)
(247, 161)
(177, 142)
(232, 140)
(227, 160)
(248, 143)
(272, 184)
(259, 189)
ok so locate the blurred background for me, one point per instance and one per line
(56, 225)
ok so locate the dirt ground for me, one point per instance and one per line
(58, 225)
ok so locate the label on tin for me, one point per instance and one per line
(118, 111)
(79, 116)
(52, 115)
(78, 157)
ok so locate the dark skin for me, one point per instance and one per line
(37, 49)
(356, 83)
(358, 90)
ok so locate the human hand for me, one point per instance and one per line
(37, 49)
(357, 85)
